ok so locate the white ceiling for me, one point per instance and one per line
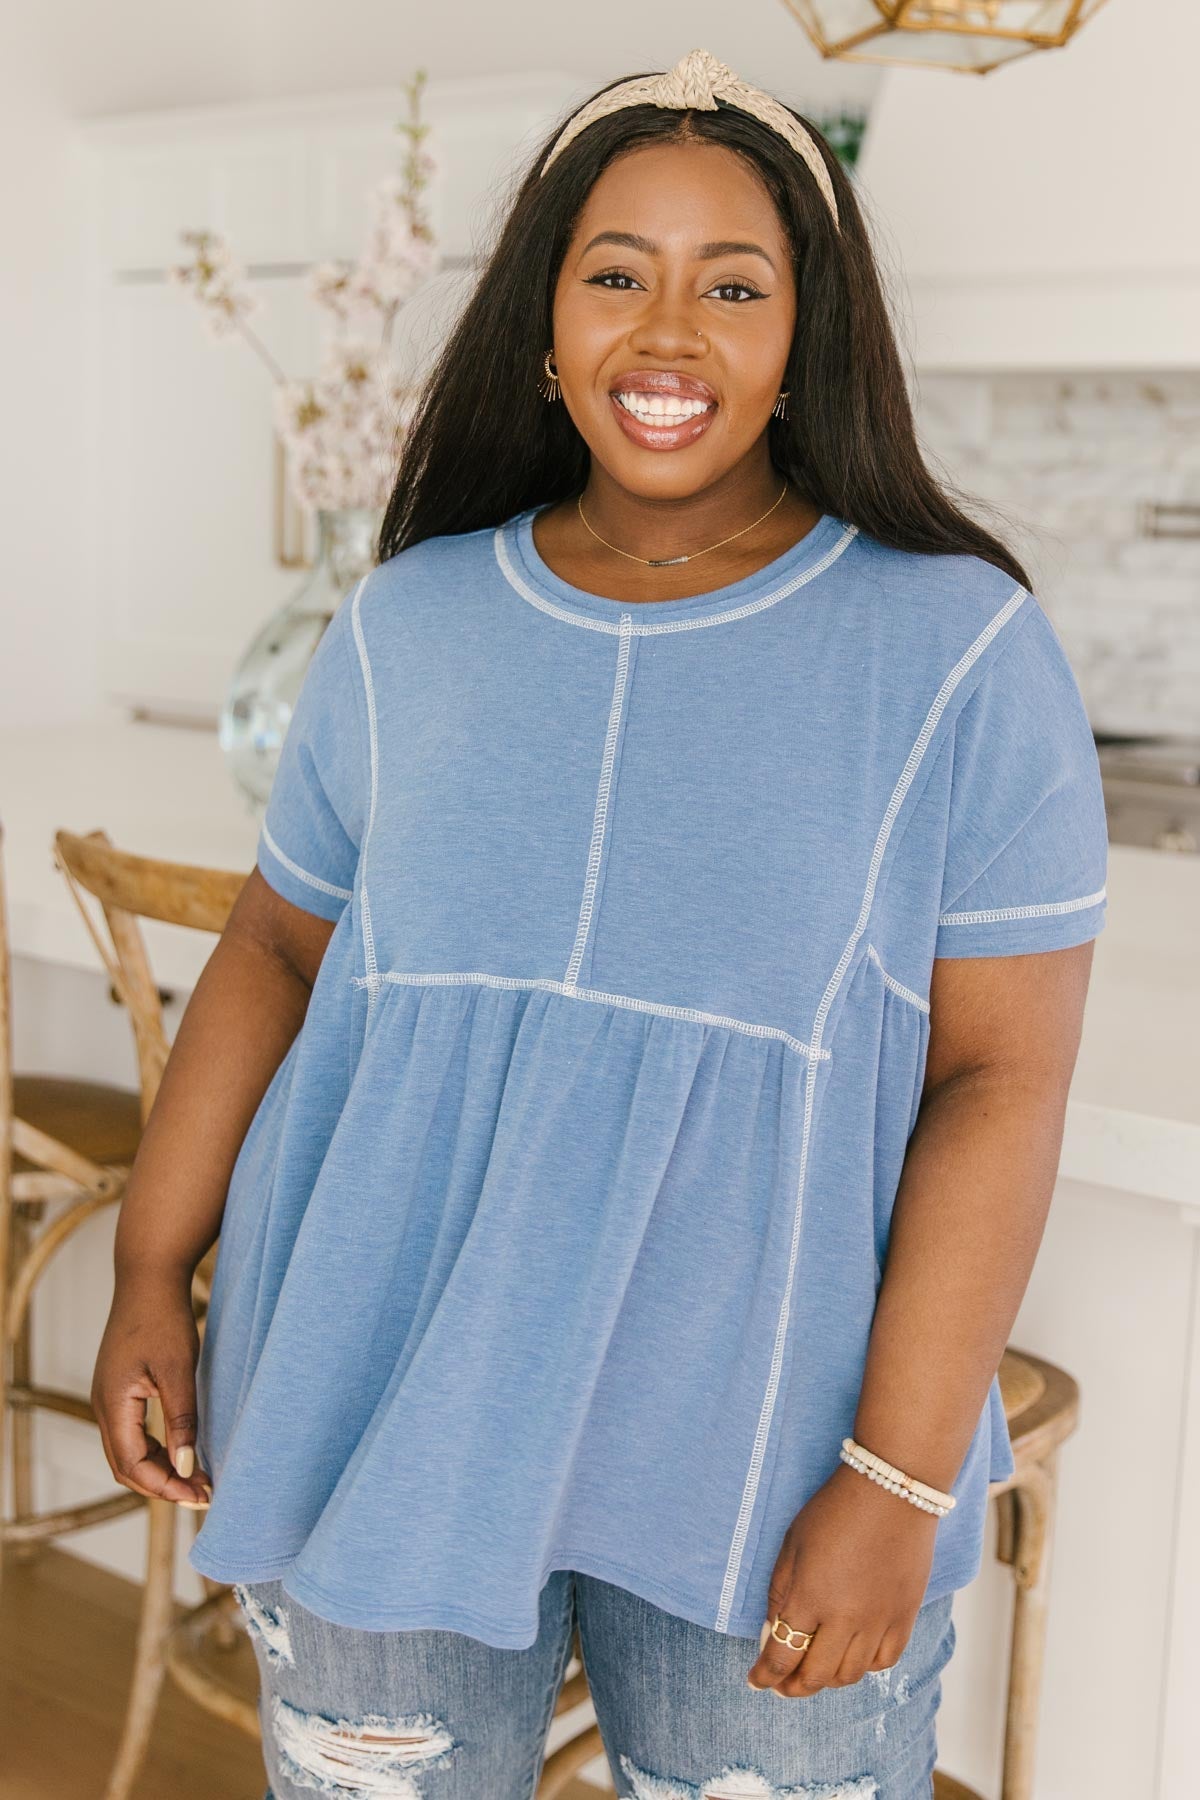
(136, 55)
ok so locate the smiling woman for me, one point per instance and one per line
(680, 346)
(671, 249)
(709, 838)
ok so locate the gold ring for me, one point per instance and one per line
(791, 1634)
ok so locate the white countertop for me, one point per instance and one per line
(158, 790)
(1133, 1121)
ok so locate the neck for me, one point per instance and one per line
(748, 512)
(665, 528)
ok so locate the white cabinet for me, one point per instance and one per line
(185, 562)
(1045, 216)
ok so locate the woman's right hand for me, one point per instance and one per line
(149, 1349)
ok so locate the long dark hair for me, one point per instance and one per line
(484, 444)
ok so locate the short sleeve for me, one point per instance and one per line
(309, 841)
(1027, 839)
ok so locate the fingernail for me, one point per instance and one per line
(193, 1505)
(764, 1634)
(185, 1460)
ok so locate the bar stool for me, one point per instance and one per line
(128, 887)
(1041, 1405)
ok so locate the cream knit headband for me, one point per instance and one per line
(699, 80)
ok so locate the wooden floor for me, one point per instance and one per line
(66, 1648)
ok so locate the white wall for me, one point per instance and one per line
(46, 647)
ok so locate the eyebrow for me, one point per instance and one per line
(633, 240)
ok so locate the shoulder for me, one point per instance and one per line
(423, 580)
(926, 630)
(941, 602)
(1028, 696)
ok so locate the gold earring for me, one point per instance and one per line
(550, 387)
(779, 410)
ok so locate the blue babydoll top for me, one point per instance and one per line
(555, 1239)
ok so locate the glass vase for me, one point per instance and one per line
(262, 693)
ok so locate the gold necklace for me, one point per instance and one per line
(664, 562)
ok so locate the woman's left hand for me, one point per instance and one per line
(854, 1565)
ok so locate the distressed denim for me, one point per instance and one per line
(438, 1715)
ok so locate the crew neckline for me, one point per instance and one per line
(535, 580)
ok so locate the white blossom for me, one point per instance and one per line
(342, 428)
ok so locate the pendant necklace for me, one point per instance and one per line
(665, 562)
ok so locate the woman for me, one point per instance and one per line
(630, 1086)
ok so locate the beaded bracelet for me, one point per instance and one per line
(929, 1499)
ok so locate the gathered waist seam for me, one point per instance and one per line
(690, 1014)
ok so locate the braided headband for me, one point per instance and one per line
(699, 80)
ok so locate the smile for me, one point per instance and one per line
(662, 422)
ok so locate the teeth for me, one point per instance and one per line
(653, 407)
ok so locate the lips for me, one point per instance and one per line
(660, 435)
(663, 382)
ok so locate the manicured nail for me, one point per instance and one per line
(764, 1634)
(185, 1460)
(193, 1505)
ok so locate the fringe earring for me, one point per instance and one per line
(779, 410)
(549, 388)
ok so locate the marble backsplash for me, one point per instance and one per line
(1069, 459)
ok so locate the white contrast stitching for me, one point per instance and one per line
(1022, 912)
(326, 887)
(369, 686)
(517, 581)
(453, 978)
(600, 813)
(897, 987)
(758, 1450)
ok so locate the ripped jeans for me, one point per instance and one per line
(438, 1715)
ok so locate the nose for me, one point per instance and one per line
(667, 329)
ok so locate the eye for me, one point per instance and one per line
(612, 275)
(742, 287)
(609, 275)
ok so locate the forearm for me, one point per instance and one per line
(243, 1015)
(968, 1219)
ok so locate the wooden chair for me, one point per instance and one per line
(1041, 1404)
(61, 1140)
(126, 888)
(65, 1150)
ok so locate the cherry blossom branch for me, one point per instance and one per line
(342, 428)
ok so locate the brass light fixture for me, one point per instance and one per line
(972, 37)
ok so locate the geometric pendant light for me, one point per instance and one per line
(970, 36)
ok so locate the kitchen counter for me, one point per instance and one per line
(159, 790)
(1133, 1118)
